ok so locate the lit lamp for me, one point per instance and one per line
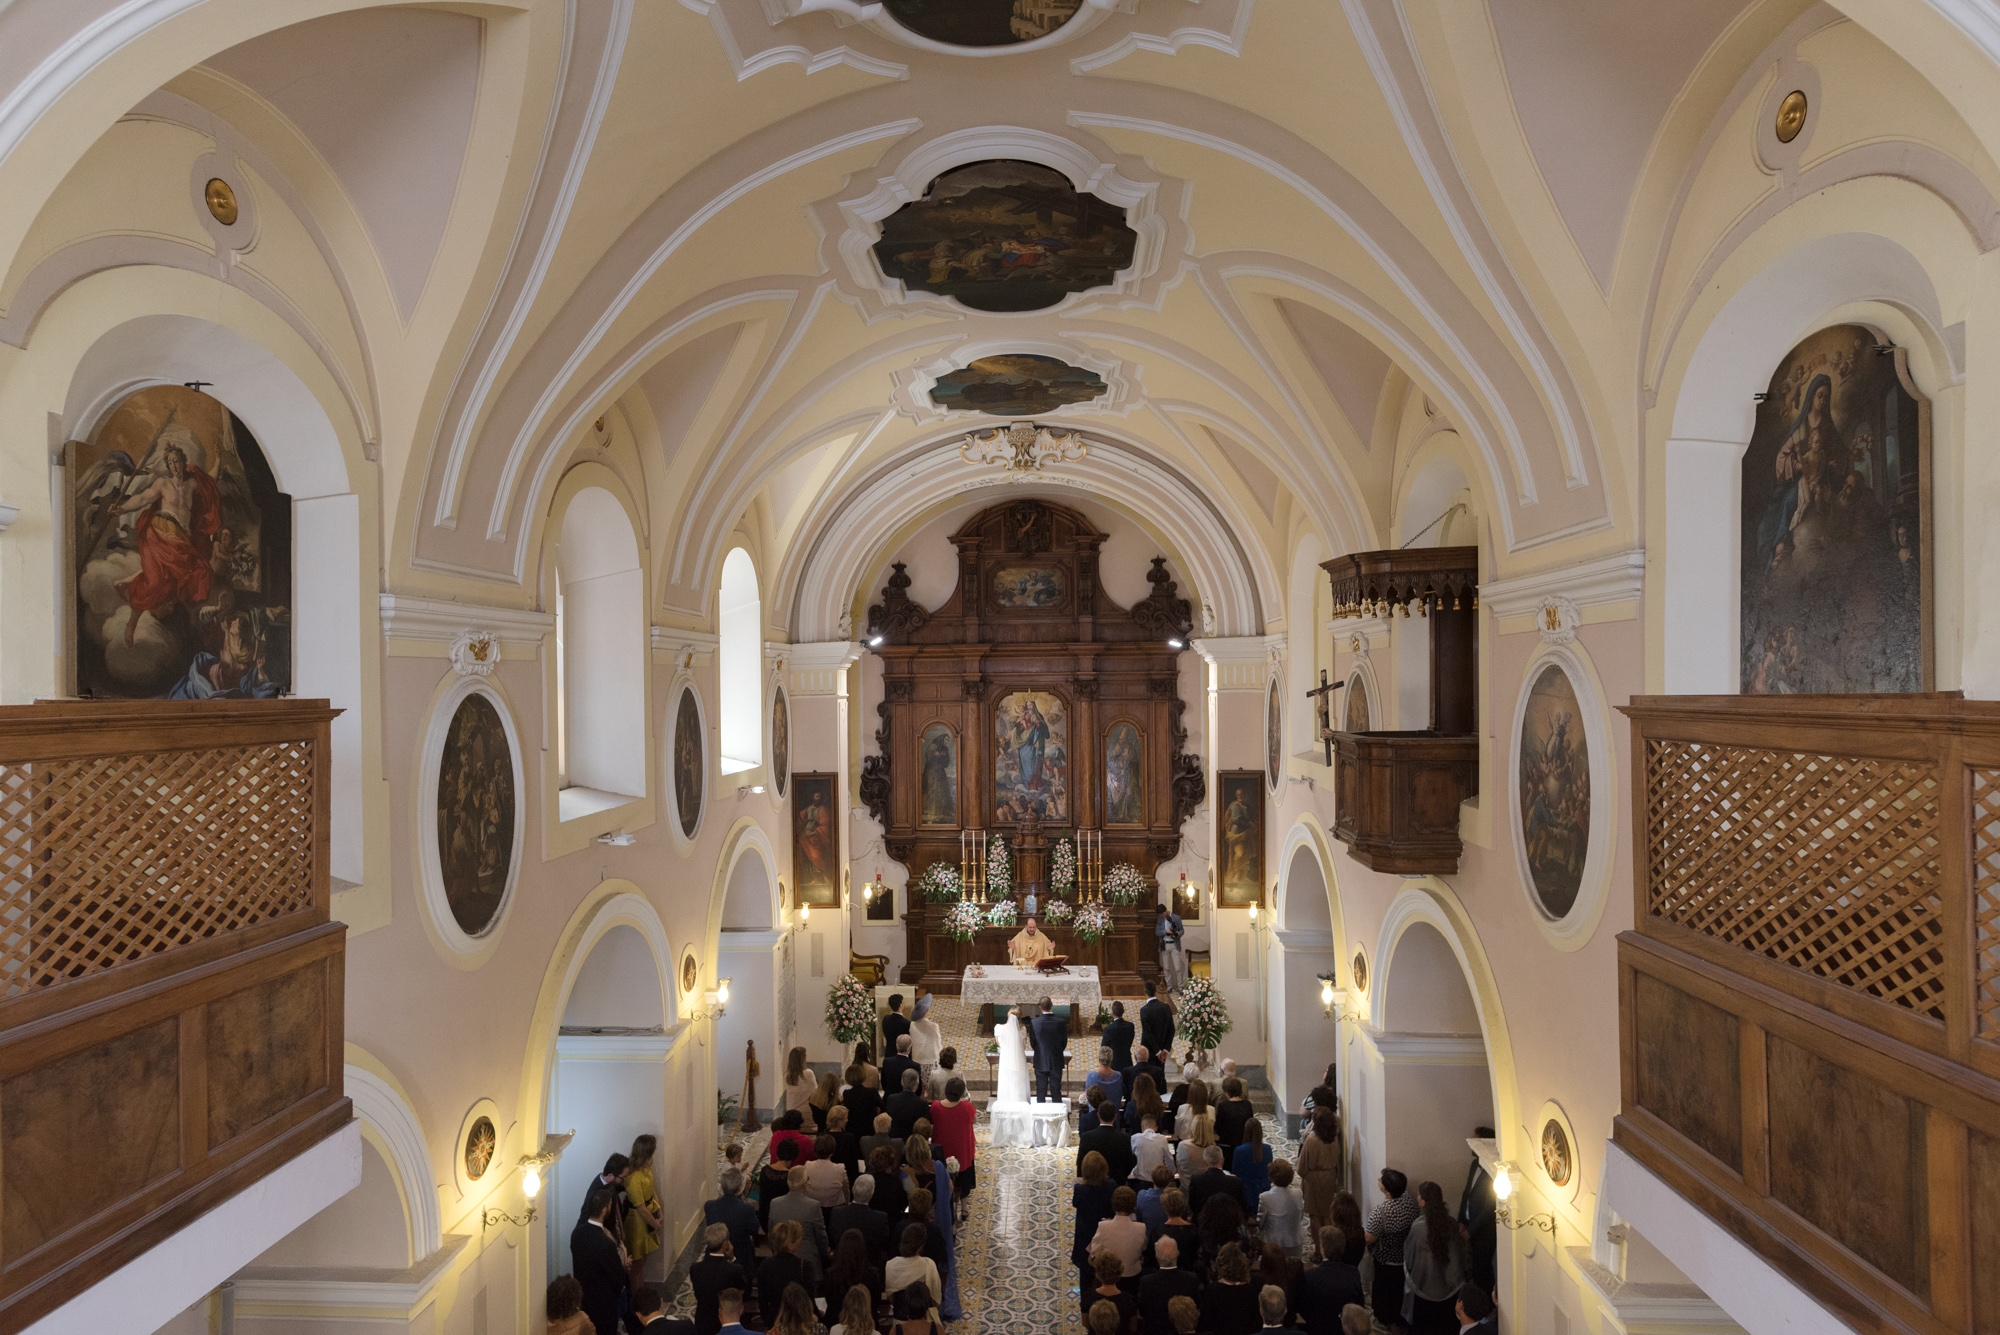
(1326, 994)
(1253, 914)
(531, 1182)
(805, 914)
(1503, 1191)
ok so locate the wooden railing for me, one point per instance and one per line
(170, 985)
(1810, 1003)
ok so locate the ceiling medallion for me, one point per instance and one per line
(983, 22)
(1016, 384)
(1022, 450)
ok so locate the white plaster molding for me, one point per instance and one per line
(820, 669)
(1430, 1049)
(474, 653)
(368, 1295)
(382, 1106)
(1651, 1309)
(683, 648)
(438, 623)
(1616, 578)
(1305, 940)
(1556, 620)
(615, 1047)
(461, 948)
(912, 393)
(738, 940)
(1346, 630)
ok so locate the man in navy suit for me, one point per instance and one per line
(596, 1260)
(1050, 1037)
(1156, 1023)
(1475, 1312)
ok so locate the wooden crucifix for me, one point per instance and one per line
(1323, 703)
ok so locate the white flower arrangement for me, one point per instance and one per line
(999, 869)
(963, 920)
(1058, 911)
(939, 884)
(1203, 1015)
(1123, 884)
(1001, 914)
(850, 1010)
(1062, 867)
(1093, 923)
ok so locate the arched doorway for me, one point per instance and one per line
(754, 952)
(1304, 1039)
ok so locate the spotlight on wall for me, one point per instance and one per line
(1177, 643)
(618, 839)
(874, 641)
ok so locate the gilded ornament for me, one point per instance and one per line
(221, 201)
(1791, 116)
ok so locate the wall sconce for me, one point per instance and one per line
(749, 789)
(805, 914)
(717, 998)
(1253, 914)
(1503, 1191)
(1326, 994)
(531, 1166)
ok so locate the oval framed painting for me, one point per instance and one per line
(471, 805)
(480, 1143)
(687, 761)
(1557, 1152)
(1561, 786)
(781, 741)
(1274, 735)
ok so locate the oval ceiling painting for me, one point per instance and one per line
(1005, 236)
(982, 22)
(1015, 384)
(1555, 791)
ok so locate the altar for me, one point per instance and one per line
(1006, 985)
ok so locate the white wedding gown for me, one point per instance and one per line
(1015, 1119)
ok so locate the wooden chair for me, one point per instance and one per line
(872, 970)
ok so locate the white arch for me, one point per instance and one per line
(383, 1110)
(746, 839)
(739, 618)
(1306, 834)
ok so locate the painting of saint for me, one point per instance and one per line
(1555, 791)
(1274, 735)
(1015, 385)
(1240, 855)
(815, 840)
(1836, 524)
(940, 776)
(781, 741)
(1018, 588)
(982, 22)
(690, 762)
(1124, 776)
(1031, 757)
(1357, 704)
(475, 814)
(181, 555)
(1005, 236)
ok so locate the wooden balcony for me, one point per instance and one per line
(1396, 798)
(1810, 1005)
(170, 985)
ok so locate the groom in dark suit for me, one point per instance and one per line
(1050, 1036)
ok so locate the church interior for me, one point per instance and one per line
(558, 555)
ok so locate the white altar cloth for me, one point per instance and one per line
(1005, 984)
(1029, 1123)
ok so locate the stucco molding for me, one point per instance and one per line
(1429, 1049)
(683, 648)
(1617, 578)
(436, 622)
(360, 1294)
(382, 1107)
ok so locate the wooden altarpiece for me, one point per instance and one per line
(1028, 643)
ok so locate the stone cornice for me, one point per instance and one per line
(372, 1294)
(683, 648)
(1616, 578)
(437, 621)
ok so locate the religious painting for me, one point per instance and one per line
(815, 839)
(1029, 588)
(689, 761)
(1015, 385)
(1240, 839)
(1357, 705)
(781, 741)
(1557, 1160)
(1124, 775)
(1274, 735)
(475, 814)
(1003, 235)
(180, 555)
(938, 804)
(1031, 757)
(479, 1145)
(1836, 524)
(1555, 790)
(982, 22)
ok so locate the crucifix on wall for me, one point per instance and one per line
(1322, 699)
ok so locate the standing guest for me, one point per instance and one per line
(613, 1177)
(1347, 1218)
(857, 1313)
(1144, 1103)
(1229, 1305)
(891, 1200)
(1170, 933)
(1388, 1229)
(1150, 1149)
(1152, 1202)
(1092, 1198)
(782, 1268)
(715, 1272)
(861, 1217)
(1477, 1207)
(1231, 1117)
(846, 1145)
(825, 1098)
(906, 1105)
(1180, 1227)
(1281, 1211)
(923, 1209)
(852, 1268)
(926, 1040)
(826, 1178)
(1122, 1235)
(1212, 1181)
(864, 1057)
(1319, 1167)
(884, 1137)
(1475, 1312)
(1166, 1285)
(1148, 1067)
(645, 1215)
(1356, 1320)
(804, 1211)
(910, 1266)
(1319, 1096)
(914, 1312)
(1117, 1037)
(1104, 1076)
(1186, 1316)
(1194, 1145)
(565, 1308)
(895, 1024)
(800, 1086)
(1220, 1224)
(952, 1136)
(1253, 1164)
(1276, 1268)
(789, 1129)
(861, 1101)
(1103, 1318)
(1434, 1265)
(731, 1306)
(598, 1260)
(1106, 1139)
(1272, 1305)
(944, 1072)
(774, 1179)
(1156, 1022)
(795, 1313)
(1183, 1091)
(944, 1223)
(734, 1213)
(1331, 1287)
(1109, 1270)
(900, 1062)
(651, 1320)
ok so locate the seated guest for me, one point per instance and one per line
(651, 1320)
(1180, 1224)
(1276, 1268)
(789, 1129)
(861, 1101)
(1165, 1285)
(1331, 1286)
(1212, 1181)
(826, 1178)
(782, 1268)
(884, 1135)
(1281, 1211)
(906, 1105)
(1229, 1304)
(891, 1201)
(1150, 1149)
(860, 1217)
(1152, 1205)
(736, 1214)
(715, 1272)
(1104, 1076)
(1253, 1163)
(804, 1211)
(1106, 1139)
(852, 1267)
(901, 1061)
(910, 1266)
(1108, 1270)
(1122, 1235)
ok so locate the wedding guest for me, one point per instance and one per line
(795, 1313)
(906, 1105)
(730, 1304)
(1106, 1139)
(1434, 1264)
(884, 1137)
(915, 1312)
(1194, 1095)
(795, 1205)
(1117, 1038)
(1347, 1218)
(860, 1217)
(1220, 1224)
(825, 1098)
(597, 1260)
(944, 1221)
(1273, 1306)
(800, 1085)
(1156, 1022)
(644, 1216)
(789, 1129)
(890, 1198)
(1145, 1067)
(900, 1062)
(1092, 1199)
(716, 1271)
(732, 1155)
(1388, 1230)
(1150, 1149)
(857, 1313)
(1103, 1076)
(1152, 1201)
(734, 1213)
(846, 1145)
(783, 1267)
(1144, 1103)
(944, 1072)
(1190, 1153)
(1212, 1181)
(910, 1266)
(1357, 1320)
(1185, 1314)
(1180, 1226)
(926, 1040)
(1231, 1117)
(1319, 1096)
(564, 1304)
(952, 1136)
(826, 1178)
(1281, 1212)
(649, 1319)
(1167, 1284)
(895, 1024)
(1109, 1269)
(1331, 1287)
(1122, 1235)
(1229, 1305)
(1253, 1163)
(864, 1057)
(1475, 1312)
(852, 1268)
(613, 1178)
(1319, 1167)
(861, 1102)
(774, 1179)
(1277, 1269)
(1102, 1318)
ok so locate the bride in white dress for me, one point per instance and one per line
(1013, 1116)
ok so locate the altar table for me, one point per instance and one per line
(1004, 984)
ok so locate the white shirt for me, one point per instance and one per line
(1150, 1149)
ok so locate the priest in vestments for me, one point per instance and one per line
(1029, 947)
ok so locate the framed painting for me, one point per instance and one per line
(1239, 871)
(1357, 716)
(1274, 735)
(781, 741)
(1029, 588)
(688, 761)
(815, 840)
(982, 22)
(1124, 774)
(475, 814)
(1836, 523)
(1555, 791)
(180, 555)
(938, 794)
(1016, 384)
(1031, 757)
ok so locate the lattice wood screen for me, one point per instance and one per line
(116, 858)
(1986, 899)
(1825, 863)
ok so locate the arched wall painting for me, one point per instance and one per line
(1031, 757)
(475, 814)
(690, 762)
(939, 798)
(1555, 791)
(1836, 524)
(180, 555)
(1124, 775)
(781, 741)
(1274, 734)
(982, 22)
(1357, 704)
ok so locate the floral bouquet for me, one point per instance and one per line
(1001, 914)
(1093, 923)
(1062, 867)
(1203, 1016)
(1123, 884)
(1058, 911)
(850, 1010)
(939, 883)
(999, 869)
(963, 920)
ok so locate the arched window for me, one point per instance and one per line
(741, 658)
(601, 648)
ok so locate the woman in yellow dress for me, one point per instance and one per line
(644, 1219)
